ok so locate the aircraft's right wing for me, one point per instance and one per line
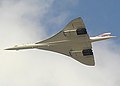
(83, 53)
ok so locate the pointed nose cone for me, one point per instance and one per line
(13, 48)
(9, 49)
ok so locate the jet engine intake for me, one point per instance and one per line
(87, 52)
(75, 32)
(80, 31)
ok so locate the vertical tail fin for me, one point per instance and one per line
(104, 34)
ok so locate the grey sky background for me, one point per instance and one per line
(28, 21)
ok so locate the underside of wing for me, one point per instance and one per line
(83, 53)
(72, 41)
(74, 28)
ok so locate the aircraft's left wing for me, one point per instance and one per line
(72, 41)
(74, 28)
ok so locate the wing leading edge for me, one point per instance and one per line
(72, 41)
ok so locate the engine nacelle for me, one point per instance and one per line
(75, 32)
(87, 52)
(81, 31)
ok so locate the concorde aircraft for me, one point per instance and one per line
(72, 41)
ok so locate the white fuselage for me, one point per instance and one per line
(42, 45)
(99, 38)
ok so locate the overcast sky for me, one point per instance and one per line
(29, 21)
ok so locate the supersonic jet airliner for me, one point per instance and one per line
(72, 41)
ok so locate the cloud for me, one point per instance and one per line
(107, 60)
(23, 17)
(21, 22)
